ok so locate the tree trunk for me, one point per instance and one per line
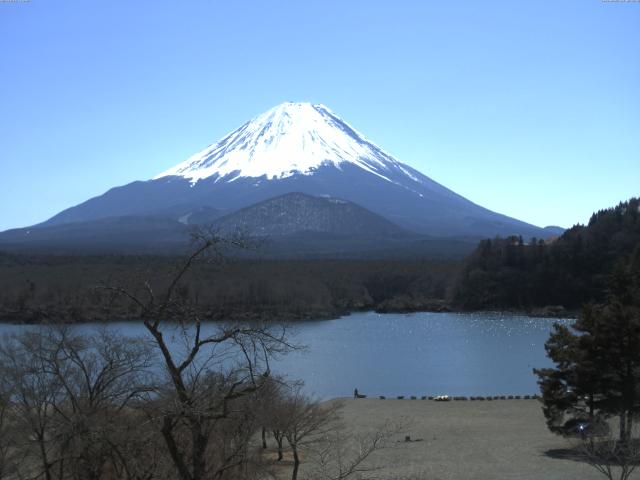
(264, 438)
(199, 449)
(45, 460)
(280, 456)
(296, 463)
(174, 452)
(623, 426)
(279, 437)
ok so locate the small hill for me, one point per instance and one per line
(297, 212)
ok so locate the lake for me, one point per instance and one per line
(411, 354)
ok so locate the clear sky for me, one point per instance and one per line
(529, 108)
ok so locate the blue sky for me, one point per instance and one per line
(531, 108)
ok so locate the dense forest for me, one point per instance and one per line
(574, 269)
(75, 288)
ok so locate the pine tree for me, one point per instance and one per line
(597, 360)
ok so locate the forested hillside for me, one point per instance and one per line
(517, 273)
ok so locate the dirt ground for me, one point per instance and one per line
(503, 439)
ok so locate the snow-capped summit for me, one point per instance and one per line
(291, 138)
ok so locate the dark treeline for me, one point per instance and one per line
(514, 273)
(55, 288)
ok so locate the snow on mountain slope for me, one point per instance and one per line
(291, 138)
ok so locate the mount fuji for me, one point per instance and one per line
(292, 148)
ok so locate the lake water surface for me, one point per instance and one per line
(411, 354)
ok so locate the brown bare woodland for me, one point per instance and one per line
(188, 401)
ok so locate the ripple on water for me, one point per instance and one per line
(409, 354)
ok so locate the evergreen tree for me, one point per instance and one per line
(597, 360)
(505, 273)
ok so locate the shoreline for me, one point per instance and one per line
(39, 317)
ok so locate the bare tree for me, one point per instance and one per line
(306, 421)
(137, 452)
(613, 458)
(272, 413)
(215, 366)
(102, 376)
(68, 395)
(314, 429)
(34, 392)
(340, 456)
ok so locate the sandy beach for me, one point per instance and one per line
(488, 440)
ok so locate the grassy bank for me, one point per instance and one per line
(464, 440)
